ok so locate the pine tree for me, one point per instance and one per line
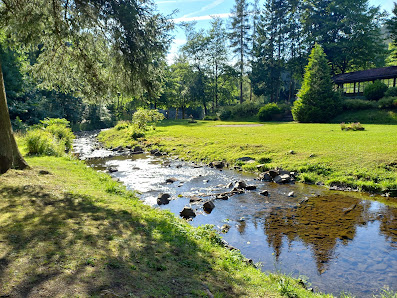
(317, 102)
(271, 48)
(240, 38)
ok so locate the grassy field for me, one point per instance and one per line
(68, 231)
(321, 153)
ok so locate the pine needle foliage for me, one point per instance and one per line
(317, 101)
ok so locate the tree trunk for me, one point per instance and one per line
(10, 157)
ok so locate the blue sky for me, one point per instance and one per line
(202, 10)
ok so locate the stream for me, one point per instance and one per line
(336, 241)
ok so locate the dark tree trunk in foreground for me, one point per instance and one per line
(10, 157)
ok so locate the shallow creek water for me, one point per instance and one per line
(339, 241)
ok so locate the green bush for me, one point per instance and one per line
(122, 125)
(267, 112)
(391, 92)
(42, 142)
(211, 118)
(142, 117)
(137, 133)
(387, 103)
(357, 104)
(246, 109)
(375, 91)
(225, 114)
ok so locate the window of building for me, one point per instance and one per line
(348, 88)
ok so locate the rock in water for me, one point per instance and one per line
(264, 193)
(163, 199)
(208, 206)
(171, 180)
(250, 187)
(240, 185)
(225, 228)
(112, 170)
(187, 213)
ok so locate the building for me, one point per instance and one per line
(353, 83)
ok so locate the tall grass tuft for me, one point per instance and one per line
(53, 137)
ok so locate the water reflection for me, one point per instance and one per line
(319, 223)
(388, 226)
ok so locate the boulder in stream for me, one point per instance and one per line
(163, 199)
(283, 178)
(250, 187)
(195, 199)
(222, 196)
(187, 213)
(265, 177)
(240, 185)
(264, 193)
(112, 170)
(217, 164)
(171, 180)
(225, 228)
(208, 206)
(138, 149)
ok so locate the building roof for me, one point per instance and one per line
(367, 75)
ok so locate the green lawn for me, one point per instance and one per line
(73, 232)
(366, 160)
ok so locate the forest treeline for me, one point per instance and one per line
(256, 56)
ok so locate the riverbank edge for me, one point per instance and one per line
(48, 177)
(113, 138)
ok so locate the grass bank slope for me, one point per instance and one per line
(321, 153)
(68, 231)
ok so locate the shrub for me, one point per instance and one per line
(317, 102)
(387, 103)
(225, 114)
(267, 112)
(357, 104)
(355, 126)
(122, 125)
(375, 91)
(142, 117)
(41, 142)
(391, 92)
(211, 118)
(137, 133)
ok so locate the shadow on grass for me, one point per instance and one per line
(70, 245)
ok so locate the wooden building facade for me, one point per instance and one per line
(353, 83)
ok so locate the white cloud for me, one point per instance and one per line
(202, 18)
(205, 8)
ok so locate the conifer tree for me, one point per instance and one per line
(240, 37)
(317, 101)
